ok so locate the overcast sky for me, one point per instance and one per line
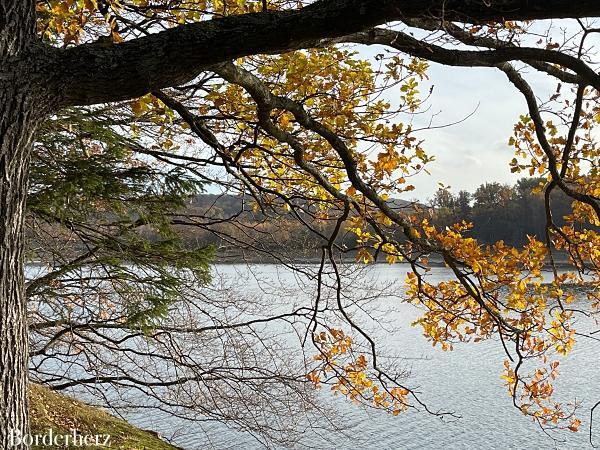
(486, 105)
(474, 151)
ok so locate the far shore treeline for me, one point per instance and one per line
(501, 211)
(496, 211)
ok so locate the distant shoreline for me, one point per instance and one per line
(561, 263)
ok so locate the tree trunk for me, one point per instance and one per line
(17, 127)
(19, 115)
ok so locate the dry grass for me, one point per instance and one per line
(62, 414)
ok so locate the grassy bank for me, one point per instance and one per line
(62, 414)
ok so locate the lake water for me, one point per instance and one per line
(465, 381)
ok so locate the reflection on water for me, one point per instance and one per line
(465, 381)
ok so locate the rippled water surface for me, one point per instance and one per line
(466, 381)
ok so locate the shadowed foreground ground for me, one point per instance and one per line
(62, 414)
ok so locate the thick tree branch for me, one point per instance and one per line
(467, 38)
(97, 73)
(473, 58)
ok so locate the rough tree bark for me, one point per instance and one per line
(18, 118)
(96, 73)
(16, 135)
